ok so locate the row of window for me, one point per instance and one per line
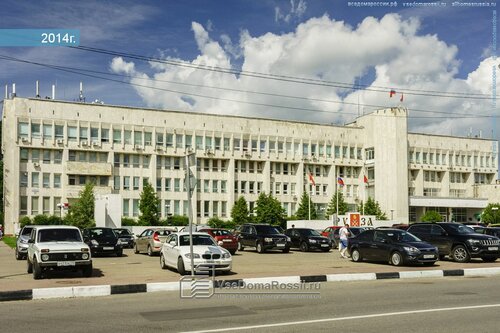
(47, 156)
(37, 205)
(454, 177)
(132, 160)
(48, 180)
(452, 159)
(86, 132)
(87, 156)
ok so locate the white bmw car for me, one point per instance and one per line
(175, 253)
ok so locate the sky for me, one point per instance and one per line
(439, 60)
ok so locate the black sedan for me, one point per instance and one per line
(308, 239)
(396, 246)
(102, 241)
(125, 237)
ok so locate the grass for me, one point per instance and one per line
(10, 241)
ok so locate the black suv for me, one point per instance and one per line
(263, 237)
(308, 239)
(458, 241)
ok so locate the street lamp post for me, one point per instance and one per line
(189, 190)
(392, 214)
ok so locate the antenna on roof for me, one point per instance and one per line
(80, 97)
(13, 94)
(6, 91)
(53, 91)
(37, 89)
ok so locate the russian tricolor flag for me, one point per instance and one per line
(340, 181)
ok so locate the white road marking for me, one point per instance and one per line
(326, 320)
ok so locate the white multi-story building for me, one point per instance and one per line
(52, 148)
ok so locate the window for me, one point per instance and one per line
(35, 130)
(104, 135)
(138, 138)
(177, 163)
(199, 142)
(370, 154)
(135, 207)
(337, 152)
(35, 179)
(226, 144)
(127, 137)
(215, 208)
(167, 185)
(117, 136)
(71, 180)
(103, 181)
(145, 161)
(94, 134)
(208, 142)
(223, 207)
(168, 163)
(126, 160)
(72, 133)
(82, 156)
(22, 129)
(148, 137)
(47, 131)
(23, 179)
(262, 146)
(135, 160)
(92, 156)
(126, 183)
(206, 208)
(34, 205)
(35, 155)
(57, 210)
(46, 180)
(215, 186)
(46, 156)
(188, 141)
(177, 185)
(158, 185)
(126, 207)
(236, 144)
(223, 185)
(159, 139)
(57, 156)
(217, 143)
(136, 183)
(46, 205)
(206, 186)
(84, 133)
(116, 181)
(23, 205)
(59, 131)
(23, 155)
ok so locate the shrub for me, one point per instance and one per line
(127, 221)
(24, 221)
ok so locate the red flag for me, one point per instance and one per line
(365, 179)
(311, 179)
(392, 93)
(401, 99)
(340, 181)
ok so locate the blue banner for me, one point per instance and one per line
(39, 37)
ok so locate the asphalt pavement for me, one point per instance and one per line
(423, 305)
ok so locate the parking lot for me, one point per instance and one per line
(140, 268)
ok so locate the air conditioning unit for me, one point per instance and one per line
(138, 147)
(189, 150)
(209, 151)
(25, 139)
(96, 143)
(159, 147)
(84, 143)
(36, 164)
(60, 141)
(248, 154)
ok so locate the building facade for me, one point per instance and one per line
(52, 148)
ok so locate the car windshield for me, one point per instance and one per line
(221, 233)
(197, 240)
(309, 232)
(102, 233)
(402, 237)
(267, 229)
(356, 231)
(122, 232)
(59, 235)
(26, 231)
(460, 229)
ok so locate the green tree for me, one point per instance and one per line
(40, 220)
(431, 216)
(149, 206)
(491, 214)
(216, 222)
(303, 210)
(128, 222)
(81, 213)
(332, 206)
(269, 210)
(239, 213)
(372, 207)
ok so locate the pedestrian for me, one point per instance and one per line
(344, 234)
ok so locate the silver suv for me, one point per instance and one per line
(22, 242)
(57, 248)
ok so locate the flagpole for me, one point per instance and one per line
(364, 192)
(310, 204)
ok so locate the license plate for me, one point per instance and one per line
(324, 245)
(227, 240)
(280, 245)
(108, 248)
(65, 263)
(493, 248)
(429, 256)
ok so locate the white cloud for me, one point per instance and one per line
(326, 49)
(297, 10)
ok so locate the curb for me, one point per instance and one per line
(107, 290)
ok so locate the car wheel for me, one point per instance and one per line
(37, 270)
(460, 254)
(429, 263)
(232, 252)
(18, 255)
(240, 247)
(442, 257)
(119, 253)
(489, 259)
(136, 250)
(260, 248)
(286, 250)
(29, 266)
(356, 256)
(150, 251)
(87, 270)
(304, 247)
(396, 259)
(163, 265)
(180, 266)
